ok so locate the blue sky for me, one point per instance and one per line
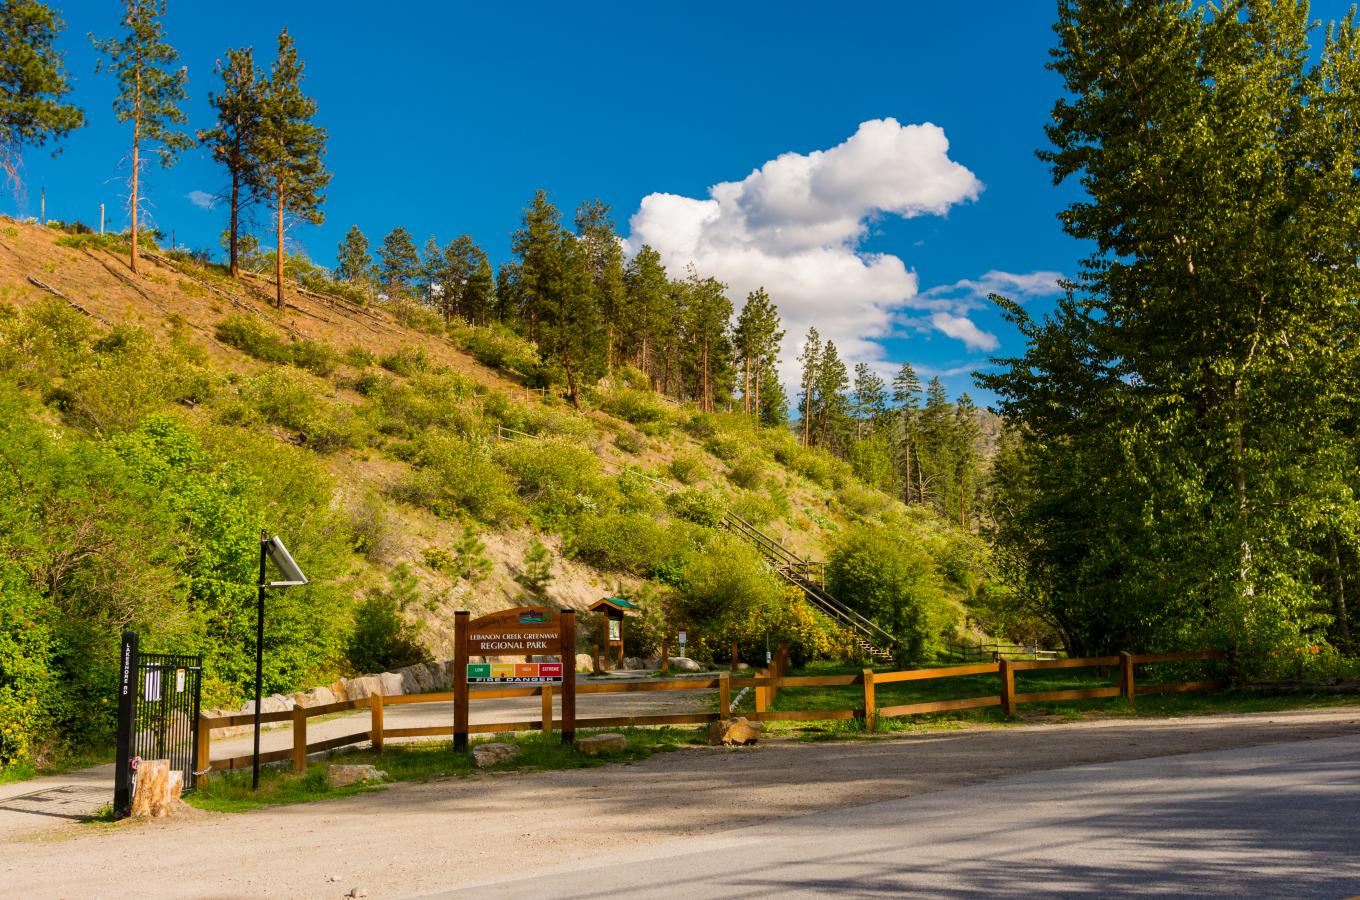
(445, 117)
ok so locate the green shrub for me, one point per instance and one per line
(759, 508)
(415, 316)
(895, 582)
(688, 468)
(862, 501)
(383, 639)
(406, 361)
(254, 338)
(559, 480)
(630, 442)
(496, 345)
(636, 406)
(747, 472)
(456, 475)
(359, 357)
(622, 542)
(724, 446)
(314, 356)
(373, 528)
(290, 400)
(700, 507)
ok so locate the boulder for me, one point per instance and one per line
(338, 689)
(633, 664)
(440, 674)
(321, 696)
(734, 732)
(602, 743)
(585, 662)
(684, 664)
(415, 679)
(339, 776)
(270, 704)
(363, 687)
(392, 684)
(493, 754)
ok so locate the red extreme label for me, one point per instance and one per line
(550, 670)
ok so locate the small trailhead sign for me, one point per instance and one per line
(523, 631)
(613, 609)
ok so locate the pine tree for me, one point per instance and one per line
(871, 396)
(291, 145)
(707, 326)
(399, 262)
(233, 140)
(570, 328)
(774, 401)
(647, 303)
(811, 358)
(33, 83)
(353, 263)
(467, 289)
(832, 408)
(758, 337)
(604, 259)
(537, 246)
(434, 276)
(906, 394)
(150, 92)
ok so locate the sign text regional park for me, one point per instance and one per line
(528, 640)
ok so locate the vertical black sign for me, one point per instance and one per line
(127, 710)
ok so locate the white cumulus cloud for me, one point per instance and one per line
(794, 226)
(201, 199)
(963, 329)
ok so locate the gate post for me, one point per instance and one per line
(870, 702)
(460, 679)
(1007, 687)
(127, 710)
(1126, 689)
(567, 650)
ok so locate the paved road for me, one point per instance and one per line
(29, 805)
(1280, 820)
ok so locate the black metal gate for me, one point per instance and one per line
(159, 697)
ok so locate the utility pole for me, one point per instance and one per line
(101, 220)
(42, 206)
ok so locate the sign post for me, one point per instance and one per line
(525, 630)
(127, 708)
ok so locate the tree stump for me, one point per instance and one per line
(157, 790)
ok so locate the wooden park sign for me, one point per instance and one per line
(525, 630)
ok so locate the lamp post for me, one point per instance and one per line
(270, 549)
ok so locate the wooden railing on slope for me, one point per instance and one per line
(765, 686)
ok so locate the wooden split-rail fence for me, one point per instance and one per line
(765, 686)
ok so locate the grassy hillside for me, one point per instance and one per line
(154, 424)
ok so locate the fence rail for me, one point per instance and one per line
(765, 686)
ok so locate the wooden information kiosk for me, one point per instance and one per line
(525, 630)
(614, 609)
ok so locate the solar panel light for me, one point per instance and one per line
(284, 562)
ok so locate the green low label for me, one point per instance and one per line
(479, 670)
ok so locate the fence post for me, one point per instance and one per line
(547, 708)
(1126, 689)
(665, 659)
(870, 702)
(1007, 687)
(724, 696)
(734, 656)
(761, 692)
(375, 734)
(203, 751)
(299, 739)
(595, 661)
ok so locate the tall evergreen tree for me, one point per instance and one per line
(290, 149)
(871, 395)
(353, 262)
(707, 326)
(537, 246)
(811, 358)
(33, 84)
(570, 328)
(906, 394)
(604, 258)
(647, 303)
(831, 410)
(233, 140)
(757, 337)
(399, 262)
(150, 92)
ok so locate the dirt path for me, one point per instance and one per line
(417, 838)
